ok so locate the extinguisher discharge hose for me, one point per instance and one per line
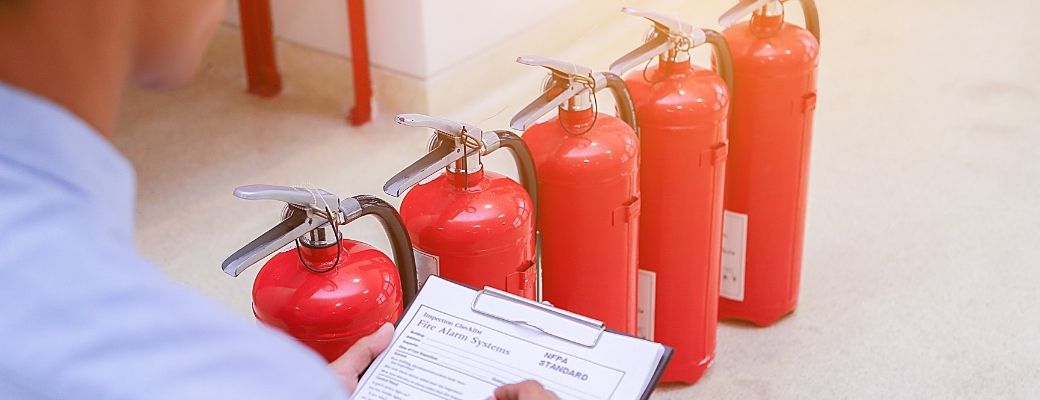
(524, 164)
(399, 240)
(812, 18)
(626, 108)
(722, 56)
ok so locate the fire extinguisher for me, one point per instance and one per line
(327, 291)
(468, 224)
(588, 182)
(682, 111)
(774, 65)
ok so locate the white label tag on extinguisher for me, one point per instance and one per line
(647, 293)
(426, 264)
(734, 252)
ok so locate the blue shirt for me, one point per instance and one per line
(82, 314)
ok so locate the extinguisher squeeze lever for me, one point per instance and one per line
(669, 34)
(573, 86)
(315, 199)
(747, 7)
(455, 142)
(673, 35)
(308, 211)
(314, 210)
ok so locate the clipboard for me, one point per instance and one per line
(552, 321)
(556, 322)
(563, 324)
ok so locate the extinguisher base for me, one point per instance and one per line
(330, 350)
(687, 374)
(760, 317)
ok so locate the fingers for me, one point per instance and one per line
(526, 390)
(350, 365)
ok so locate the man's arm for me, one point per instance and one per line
(85, 316)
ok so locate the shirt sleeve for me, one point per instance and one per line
(84, 316)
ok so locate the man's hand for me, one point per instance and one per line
(351, 364)
(526, 390)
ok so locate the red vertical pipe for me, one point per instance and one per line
(362, 111)
(258, 45)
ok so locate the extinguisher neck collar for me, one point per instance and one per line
(323, 236)
(767, 16)
(746, 8)
(768, 20)
(471, 163)
(465, 180)
(577, 122)
(322, 258)
(580, 102)
(669, 65)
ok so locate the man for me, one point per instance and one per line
(83, 315)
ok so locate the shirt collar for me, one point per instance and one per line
(55, 144)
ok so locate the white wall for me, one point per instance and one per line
(456, 29)
(419, 38)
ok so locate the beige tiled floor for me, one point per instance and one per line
(921, 270)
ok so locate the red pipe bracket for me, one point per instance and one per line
(362, 111)
(258, 45)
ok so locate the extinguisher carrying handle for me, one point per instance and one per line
(504, 139)
(668, 34)
(671, 34)
(297, 223)
(722, 56)
(566, 81)
(313, 199)
(362, 205)
(308, 210)
(656, 45)
(525, 166)
(437, 124)
(452, 142)
(747, 7)
(442, 154)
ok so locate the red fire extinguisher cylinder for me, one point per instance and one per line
(588, 203)
(328, 291)
(470, 225)
(682, 111)
(775, 66)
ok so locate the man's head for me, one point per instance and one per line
(170, 38)
(81, 54)
(162, 40)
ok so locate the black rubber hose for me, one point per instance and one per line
(812, 18)
(722, 56)
(399, 240)
(524, 164)
(626, 108)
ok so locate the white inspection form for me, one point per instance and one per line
(458, 343)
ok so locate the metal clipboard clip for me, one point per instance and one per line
(562, 324)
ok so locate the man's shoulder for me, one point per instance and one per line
(88, 319)
(86, 316)
(36, 211)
